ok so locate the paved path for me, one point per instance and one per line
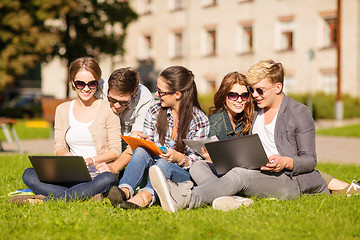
(344, 150)
(329, 149)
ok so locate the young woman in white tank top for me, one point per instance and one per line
(84, 127)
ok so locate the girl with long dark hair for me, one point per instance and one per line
(178, 116)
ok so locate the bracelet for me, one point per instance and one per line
(92, 158)
(183, 161)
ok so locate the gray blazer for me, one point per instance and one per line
(295, 138)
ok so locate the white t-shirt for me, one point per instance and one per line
(79, 139)
(266, 133)
(133, 117)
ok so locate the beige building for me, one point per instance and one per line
(214, 37)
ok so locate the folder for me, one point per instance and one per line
(134, 143)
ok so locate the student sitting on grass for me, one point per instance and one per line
(176, 117)
(131, 101)
(287, 132)
(84, 127)
(231, 117)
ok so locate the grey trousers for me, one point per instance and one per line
(239, 181)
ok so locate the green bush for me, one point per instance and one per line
(323, 105)
(206, 101)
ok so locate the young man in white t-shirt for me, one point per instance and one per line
(131, 101)
(286, 129)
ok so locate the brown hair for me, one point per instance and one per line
(87, 63)
(124, 80)
(220, 96)
(180, 79)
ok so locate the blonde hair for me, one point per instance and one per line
(266, 69)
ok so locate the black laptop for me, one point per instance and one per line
(244, 151)
(60, 169)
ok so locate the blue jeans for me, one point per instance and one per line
(138, 168)
(100, 184)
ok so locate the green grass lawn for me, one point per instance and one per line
(311, 217)
(25, 132)
(347, 131)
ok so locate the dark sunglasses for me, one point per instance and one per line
(161, 93)
(81, 85)
(260, 91)
(233, 96)
(122, 103)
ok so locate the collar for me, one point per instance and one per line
(228, 127)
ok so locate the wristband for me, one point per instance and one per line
(183, 161)
(93, 160)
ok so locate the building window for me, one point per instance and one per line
(176, 44)
(208, 43)
(329, 83)
(330, 31)
(145, 6)
(145, 48)
(245, 39)
(244, 1)
(212, 85)
(286, 35)
(289, 84)
(176, 5)
(208, 3)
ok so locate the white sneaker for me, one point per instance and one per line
(230, 203)
(353, 189)
(173, 196)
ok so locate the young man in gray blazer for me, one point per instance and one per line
(287, 132)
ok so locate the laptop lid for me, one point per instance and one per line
(244, 151)
(60, 169)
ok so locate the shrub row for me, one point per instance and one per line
(322, 105)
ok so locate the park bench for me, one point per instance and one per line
(9, 122)
(48, 105)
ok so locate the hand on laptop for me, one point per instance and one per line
(205, 154)
(277, 163)
(102, 167)
(89, 162)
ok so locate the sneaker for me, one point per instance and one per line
(353, 189)
(116, 196)
(97, 198)
(230, 203)
(173, 196)
(24, 199)
(358, 182)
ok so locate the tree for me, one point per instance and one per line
(24, 40)
(93, 27)
(34, 30)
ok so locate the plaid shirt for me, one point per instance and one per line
(198, 128)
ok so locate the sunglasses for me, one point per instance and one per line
(81, 85)
(122, 103)
(161, 93)
(260, 91)
(233, 96)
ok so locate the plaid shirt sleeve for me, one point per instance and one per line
(150, 122)
(199, 128)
